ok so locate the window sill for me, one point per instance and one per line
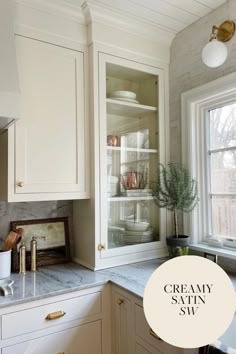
(223, 252)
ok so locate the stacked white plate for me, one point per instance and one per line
(127, 96)
(133, 237)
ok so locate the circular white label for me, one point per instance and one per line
(189, 301)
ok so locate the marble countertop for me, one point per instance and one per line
(69, 277)
(64, 278)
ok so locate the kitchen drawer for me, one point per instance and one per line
(143, 330)
(33, 319)
(81, 339)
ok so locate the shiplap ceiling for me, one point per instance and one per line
(172, 15)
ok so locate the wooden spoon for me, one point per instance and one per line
(12, 239)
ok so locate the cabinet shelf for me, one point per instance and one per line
(121, 148)
(128, 109)
(129, 199)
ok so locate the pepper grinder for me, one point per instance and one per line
(22, 258)
(33, 249)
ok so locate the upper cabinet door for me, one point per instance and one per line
(132, 143)
(50, 153)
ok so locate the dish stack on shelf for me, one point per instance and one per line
(126, 96)
(138, 232)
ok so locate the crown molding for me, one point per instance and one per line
(92, 11)
(103, 14)
(70, 9)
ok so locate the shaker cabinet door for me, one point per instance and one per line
(122, 317)
(50, 153)
(82, 339)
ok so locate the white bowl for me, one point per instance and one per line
(124, 94)
(137, 226)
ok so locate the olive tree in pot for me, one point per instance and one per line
(175, 190)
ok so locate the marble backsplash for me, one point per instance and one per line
(33, 210)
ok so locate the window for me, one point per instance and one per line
(221, 164)
(209, 150)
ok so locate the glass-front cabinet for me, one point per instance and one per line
(131, 135)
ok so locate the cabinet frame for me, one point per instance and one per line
(138, 248)
(87, 213)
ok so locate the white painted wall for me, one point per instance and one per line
(187, 69)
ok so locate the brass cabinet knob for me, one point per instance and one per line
(101, 247)
(120, 301)
(154, 334)
(20, 184)
(55, 315)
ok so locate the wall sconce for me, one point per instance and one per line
(215, 52)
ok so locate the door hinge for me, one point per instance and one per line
(101, 247)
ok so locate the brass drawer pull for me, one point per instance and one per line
(55, 315)
(61, 353)
(154, 334)
(120, 301)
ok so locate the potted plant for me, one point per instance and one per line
(175, 190)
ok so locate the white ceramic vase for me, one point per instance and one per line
(5, 264)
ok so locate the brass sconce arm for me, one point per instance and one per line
(224, 32)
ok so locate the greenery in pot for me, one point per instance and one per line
(175, 190)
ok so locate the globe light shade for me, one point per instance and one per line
(214, 53)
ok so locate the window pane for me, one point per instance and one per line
(224, 216)
(223, 127)
(223, 172)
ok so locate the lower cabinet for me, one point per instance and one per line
(131, 333)
(121, 310)
(99, 320)
(73, 323)
(82, 339)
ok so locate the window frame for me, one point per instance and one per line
(195, 106)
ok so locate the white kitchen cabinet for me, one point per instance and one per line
(77, 322)
(71, 341)
(147, 335)
(122, 324)
(136, 334)
(131, 142)
(46, 157)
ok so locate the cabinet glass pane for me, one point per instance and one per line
(132, 222)
(132, 132)
(132, 156)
